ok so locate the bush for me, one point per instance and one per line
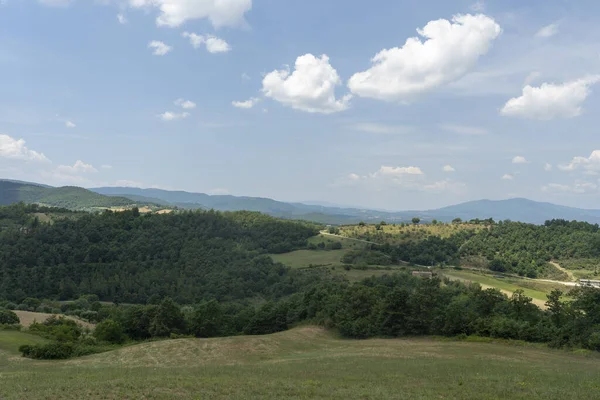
(109, 331)
(51, 351)
(8, 317)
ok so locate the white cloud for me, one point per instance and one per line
(508, 177)
(464, 129)
(106, 166)
(519, 160)
(171, 116)
(550, 100)
(70, 124)
(397, 171)
(448, 168)
(547, 31)
(245, 76)
(187, 104)
(451, 48)
(310, 87)
(548, 167)
(55, 3)
(578, 187)
(15, 149)
(174, 13)
(213, 44)
(246, 104)
(478, 6)
(532, 77)
(78, 168)
(589, 164)
(377, 128)
(160, 48)
(121, 18)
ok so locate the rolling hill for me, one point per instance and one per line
(518, 209)
(71, 197)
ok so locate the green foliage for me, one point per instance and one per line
(50, 351)
(109, 331)
(8, 317)
(416, 220)
(122, 257)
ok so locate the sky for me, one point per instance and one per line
(383, 104)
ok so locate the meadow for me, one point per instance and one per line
(306, 362)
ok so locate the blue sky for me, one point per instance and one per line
(286, 99)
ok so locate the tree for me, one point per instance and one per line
(207, 319)
(109, 331)
(555, 306)
(8, 317)
(416, 220)
(168, 319)
(457, 221)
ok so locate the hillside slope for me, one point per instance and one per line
(306, 363)
(71, 197)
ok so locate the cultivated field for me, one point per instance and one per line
(398, 233)
(27, 318)
(305, 363)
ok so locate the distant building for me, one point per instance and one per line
(423, 274)
(589, 282)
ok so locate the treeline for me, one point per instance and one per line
(129, 258)
(390, 306)
(515, 247)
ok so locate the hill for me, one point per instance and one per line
(70, 197)
(306, 363)
(522, 210)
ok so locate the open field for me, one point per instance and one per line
(27, 318)
(308, 363)
(537, 290)
(397, 233)
(305, 258)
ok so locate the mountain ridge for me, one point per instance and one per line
(515, 209)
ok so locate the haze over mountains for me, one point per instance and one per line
(78, 198)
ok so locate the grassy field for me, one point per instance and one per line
(305, 258)
(398, 233)
(535, 289)
(307, 363)
(27, 318)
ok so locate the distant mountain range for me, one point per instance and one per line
(80, 199)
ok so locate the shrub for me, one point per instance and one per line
(51, 351)
(8, 317)
(109, 331)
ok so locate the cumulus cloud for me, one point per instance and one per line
(450, 49)
(578, 187)
(519, 160)
(121, 18)
(70, 124)
(548, 167)
(213, 44)
(478, 6)
(587, 164)
(187, 104)
(310, 87)
(16, 149)
(409, 178)
(448, 168)
(464, 129)
(547, 31)
(159, 48)
(220, 13)
(508, 177)
(551, 100)
(171, 116)
(78, 168)
(246, 104)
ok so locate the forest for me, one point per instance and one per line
(207, 274)
(513, 247)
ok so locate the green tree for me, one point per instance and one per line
(168, 319)
(8, 317)
(109, 331)
(416, 220)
